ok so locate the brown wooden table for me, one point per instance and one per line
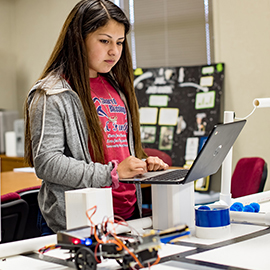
(13, 181)
(9, 163)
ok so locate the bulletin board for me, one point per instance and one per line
(179, 107)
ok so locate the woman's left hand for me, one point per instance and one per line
(156, 164)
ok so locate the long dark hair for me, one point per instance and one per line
(69, 58)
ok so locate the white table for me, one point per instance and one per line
(247, 247)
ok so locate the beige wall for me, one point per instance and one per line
(8, 94)
(242, 42)
(29, 29)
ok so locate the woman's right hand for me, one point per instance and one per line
(130, 167)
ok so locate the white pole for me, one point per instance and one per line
(226, 170)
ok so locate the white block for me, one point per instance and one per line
(10, 144)
(6, 124)
(173, 205)
(80, 200)
(19, 131)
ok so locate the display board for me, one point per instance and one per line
(178, 107)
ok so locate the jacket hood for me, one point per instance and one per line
(51, 85)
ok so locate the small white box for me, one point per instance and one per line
(7, 119)
(80, 200)
(19, 131)
(10, 144)
(173, 205)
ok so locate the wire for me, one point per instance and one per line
(120, 245)
(132, 229)
(157, 261)
(90, 217)
(95, 253)
(130, 252)
(100, 241)
(247, 115)
(48, 248)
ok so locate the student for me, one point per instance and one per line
(82, 119)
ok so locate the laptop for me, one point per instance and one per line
(207, 162)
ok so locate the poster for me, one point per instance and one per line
(178, 107)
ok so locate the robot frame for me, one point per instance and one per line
(89, 245)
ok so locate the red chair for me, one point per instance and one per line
(157, 153)
(30, 196)
(249, 176)
(14, 211)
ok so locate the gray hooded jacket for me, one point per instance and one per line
(60, 148)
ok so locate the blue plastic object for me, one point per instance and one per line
(248, 208)
(204, 207)
(256, 206)
(217, 217)
(237, 206)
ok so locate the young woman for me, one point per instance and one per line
(82, 119)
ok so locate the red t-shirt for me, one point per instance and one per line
(113, 116)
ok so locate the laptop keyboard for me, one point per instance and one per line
(169, 176)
